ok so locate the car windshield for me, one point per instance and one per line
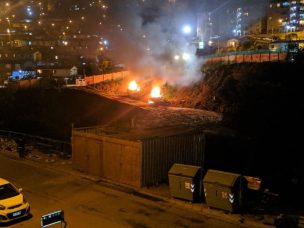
(7, 191)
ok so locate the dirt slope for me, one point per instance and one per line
(51, 112)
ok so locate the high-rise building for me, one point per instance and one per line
(204, 26)
(233, 18)
(296, 16)
(285, 16)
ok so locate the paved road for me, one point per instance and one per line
(88, 205)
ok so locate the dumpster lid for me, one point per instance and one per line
(221, 177)
(184, 170)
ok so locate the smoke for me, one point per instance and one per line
(152, 42)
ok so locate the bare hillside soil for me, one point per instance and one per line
(52, 112)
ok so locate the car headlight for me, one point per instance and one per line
(2, 207)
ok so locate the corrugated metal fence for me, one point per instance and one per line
(159, 154)
(134, 160)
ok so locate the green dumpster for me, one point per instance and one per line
(224, 190)
(185, 182)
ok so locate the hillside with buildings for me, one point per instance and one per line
(51, 35)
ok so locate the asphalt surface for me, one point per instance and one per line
(156, 195)
(51, 185)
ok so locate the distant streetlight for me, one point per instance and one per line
(186, 29)
(176, 57)
(9, 35)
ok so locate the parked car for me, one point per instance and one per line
(13, 204)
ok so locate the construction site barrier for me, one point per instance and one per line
(94, 79)
(248, 57)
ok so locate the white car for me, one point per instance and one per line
(13, 205)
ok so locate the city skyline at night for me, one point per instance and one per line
(150, 29)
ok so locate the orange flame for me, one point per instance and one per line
(133, 86)
(155, 92)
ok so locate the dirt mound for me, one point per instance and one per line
(52, 112)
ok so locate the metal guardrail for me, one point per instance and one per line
(47, 145)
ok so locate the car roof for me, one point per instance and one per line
(3, 181)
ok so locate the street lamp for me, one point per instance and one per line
(9, 35)
(186, 29)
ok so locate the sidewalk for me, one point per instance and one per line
(160, 193)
